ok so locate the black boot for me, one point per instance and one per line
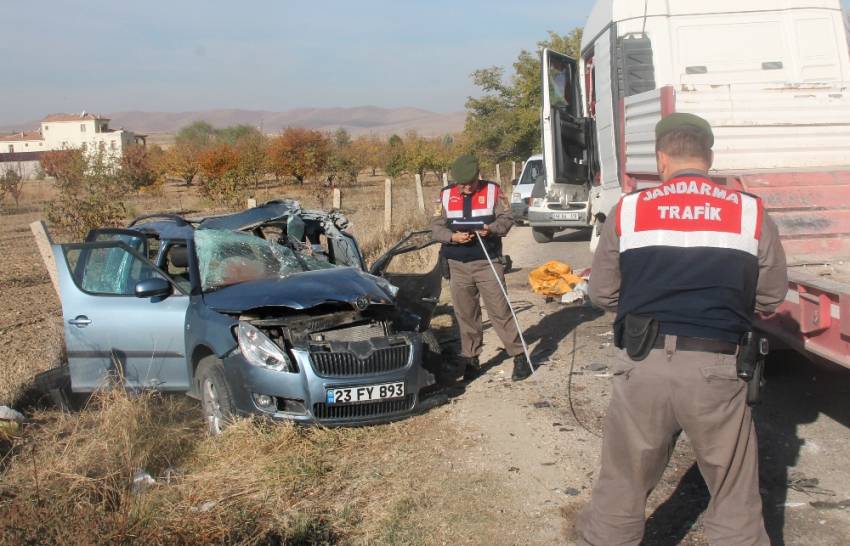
(522, 368)
(472, 369)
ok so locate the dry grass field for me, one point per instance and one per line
(69, 477)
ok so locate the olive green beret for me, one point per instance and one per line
(681, 119)
(465, 169)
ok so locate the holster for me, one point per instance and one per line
(638, 336)
(750, 364)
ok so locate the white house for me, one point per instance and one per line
(89, 132)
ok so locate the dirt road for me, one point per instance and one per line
(543, 435)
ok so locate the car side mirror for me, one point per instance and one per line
(155, 287)
(514, 181)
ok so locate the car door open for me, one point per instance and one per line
(112, 333)
(419, 281)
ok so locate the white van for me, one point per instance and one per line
(532, 171)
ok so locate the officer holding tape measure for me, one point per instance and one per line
(472, 208)
(685, 265)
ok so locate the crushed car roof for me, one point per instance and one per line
(254, 217)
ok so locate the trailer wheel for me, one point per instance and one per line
(216, 399)
(543, 235)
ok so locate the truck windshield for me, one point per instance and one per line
(227, 257)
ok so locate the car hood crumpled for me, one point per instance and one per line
(301, 291)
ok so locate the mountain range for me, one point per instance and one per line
(357, 120)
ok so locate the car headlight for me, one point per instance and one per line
(387, 286)
(261, 351)
(537, 202)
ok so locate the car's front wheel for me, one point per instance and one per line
(216, 400)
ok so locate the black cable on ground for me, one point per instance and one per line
(570, 386)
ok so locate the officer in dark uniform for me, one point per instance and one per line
(471, 206)
(685, 266)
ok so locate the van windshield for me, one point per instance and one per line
(533, 170)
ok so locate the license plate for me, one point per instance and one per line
(365, 393)
(566, 216)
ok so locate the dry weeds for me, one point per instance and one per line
(69, 478)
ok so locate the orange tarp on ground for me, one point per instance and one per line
(553, 279)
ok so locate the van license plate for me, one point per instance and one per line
(366, 393)
(566, 216)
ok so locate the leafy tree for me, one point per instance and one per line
(252, 149)
(219, 165)
(370, 150)
(345, 161)
(181, 160)
(67, 167)
(300, 153)
(199, 134)
(394, 157)
(341, 138)
(420, 154)
(90, 190)
(11, 183)
(504, 123)
(138, 167)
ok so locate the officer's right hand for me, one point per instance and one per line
(461, 237)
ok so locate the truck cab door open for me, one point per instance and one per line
(567, 136)
(419, 278)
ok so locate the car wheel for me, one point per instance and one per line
(216, 400)
(542, 235)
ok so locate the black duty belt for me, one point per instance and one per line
(700, 344)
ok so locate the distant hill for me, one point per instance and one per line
(358, 120)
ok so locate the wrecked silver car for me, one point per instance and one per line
(269, 311)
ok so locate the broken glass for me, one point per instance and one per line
(228, 257)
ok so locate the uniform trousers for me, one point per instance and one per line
(470, 283)
(652, 402)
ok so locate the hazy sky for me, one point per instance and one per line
(106, 56)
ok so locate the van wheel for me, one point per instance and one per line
(216, 400)
(543, 235)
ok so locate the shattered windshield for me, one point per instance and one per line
(228, 257)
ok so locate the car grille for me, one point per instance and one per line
(382, 408)
(361, 332)
(329, 364)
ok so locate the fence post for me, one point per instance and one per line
(513, 171)
(498, 175)
(445, 179)
(43, 242)
(388, 204)
(337, 199)
(420, 199)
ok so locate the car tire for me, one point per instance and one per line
(55, 384)
(542, 235)
(216, 400)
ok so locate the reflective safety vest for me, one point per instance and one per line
(465, 212)
(689, 257)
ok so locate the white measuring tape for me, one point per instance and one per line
(507, 299)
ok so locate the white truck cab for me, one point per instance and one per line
(771, 77)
